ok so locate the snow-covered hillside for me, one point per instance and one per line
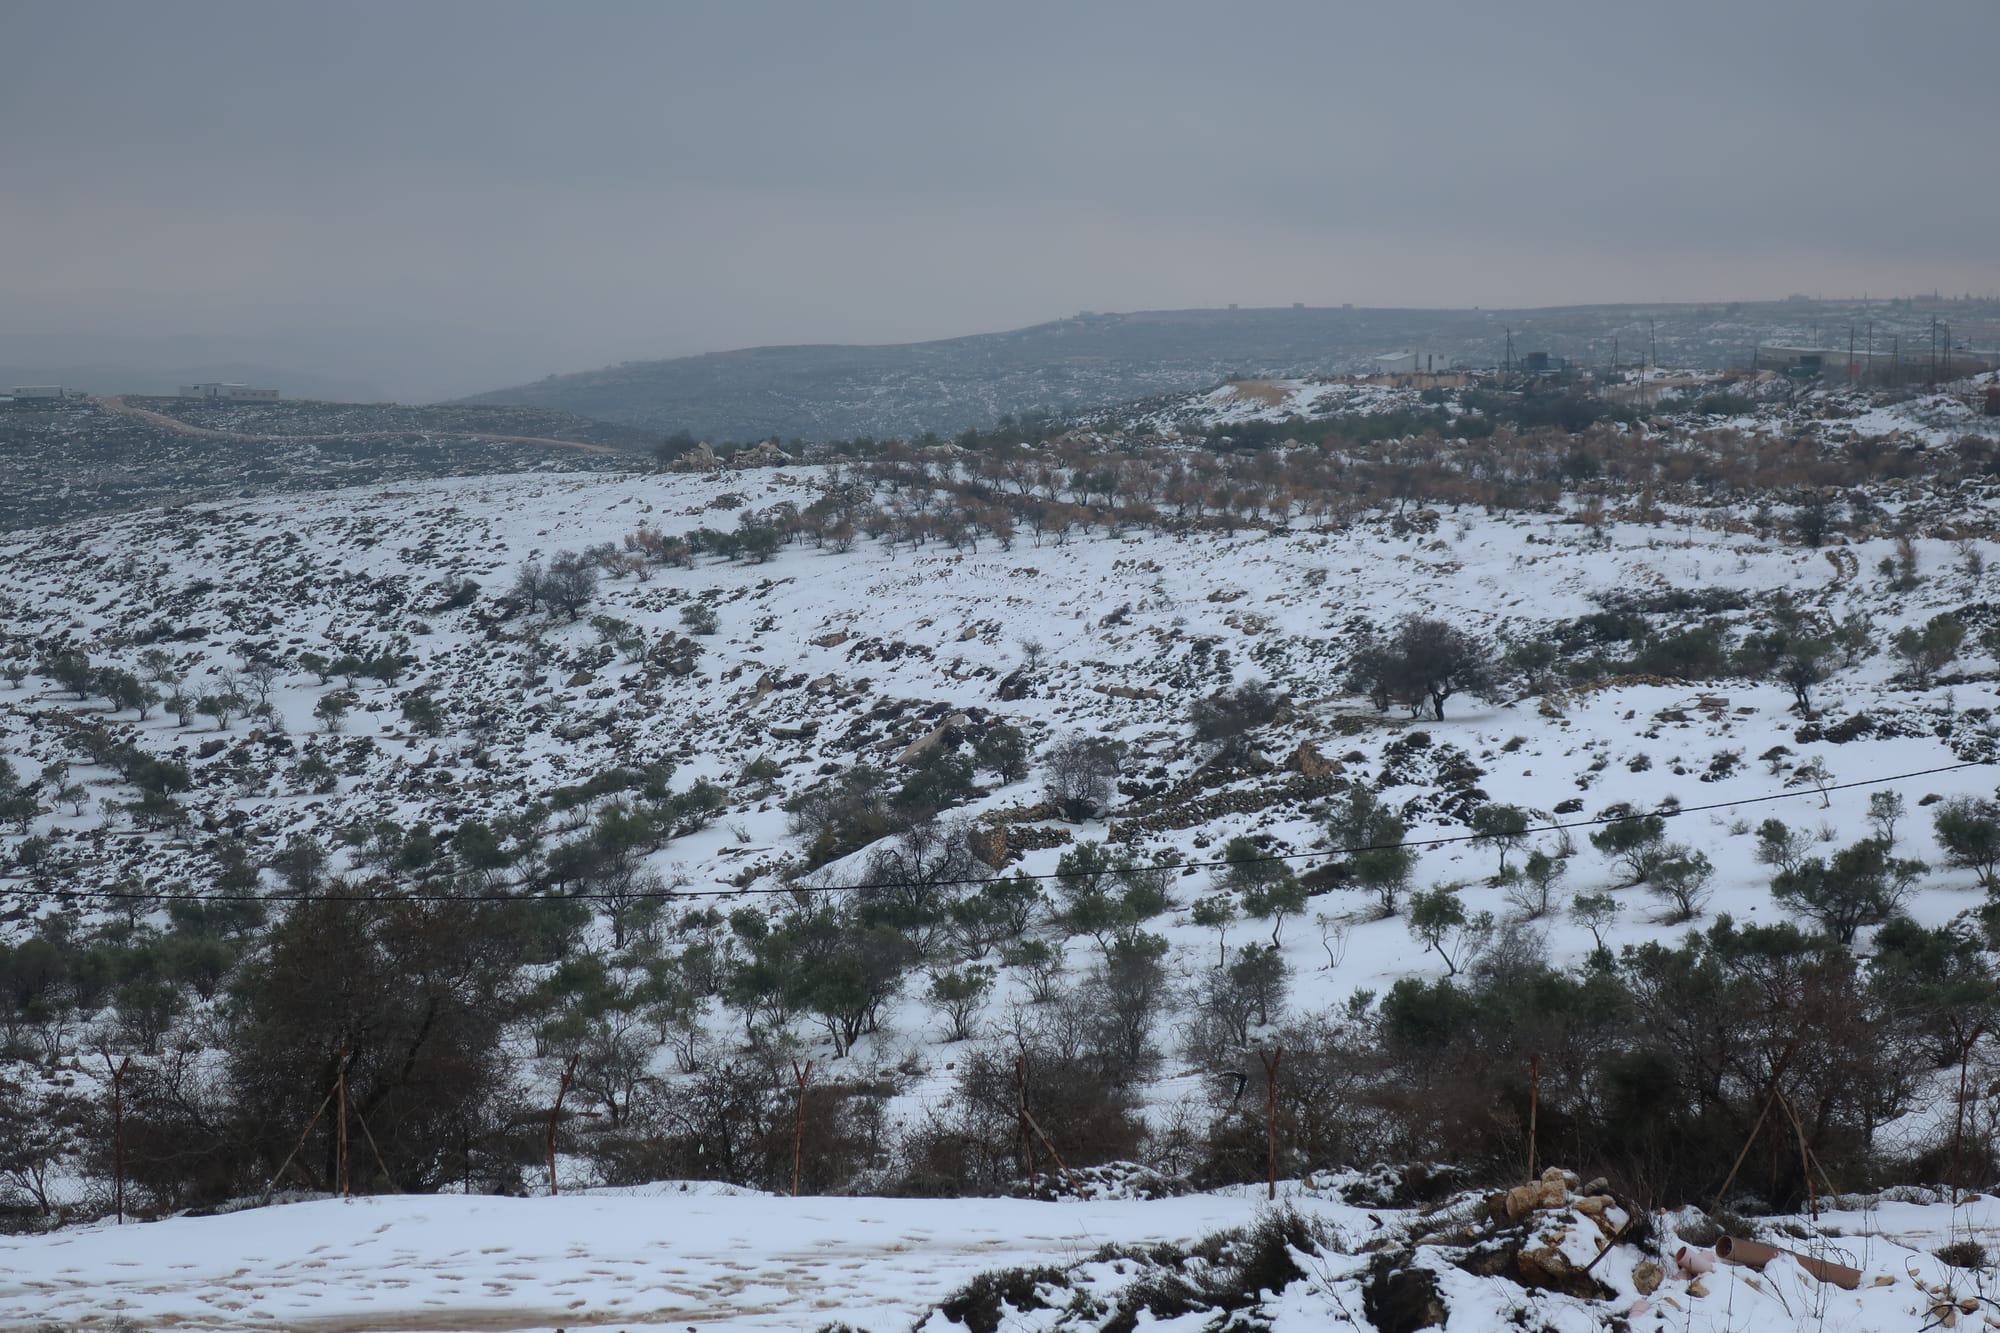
(823, 658)
(361, 674)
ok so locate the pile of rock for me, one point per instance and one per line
(1550, 1212)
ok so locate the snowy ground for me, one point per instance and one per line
(703, 1256)
(711, 1259)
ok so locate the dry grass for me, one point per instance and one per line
(1259, 391)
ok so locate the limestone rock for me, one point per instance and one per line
(989, 845)
(1307, 761)
(1543, 1266)
(930, 739)
(701, 458)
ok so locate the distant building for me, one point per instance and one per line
(38, 391)
(235, 393)
(1408, 363)
(1805, 361)
(1903, 364)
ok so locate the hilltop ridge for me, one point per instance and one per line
(1098, 360)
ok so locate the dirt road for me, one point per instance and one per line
(117, 403)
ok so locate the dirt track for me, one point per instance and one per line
(116, 403)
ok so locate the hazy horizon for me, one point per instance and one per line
(445, 198)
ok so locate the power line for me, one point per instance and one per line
(864, 886)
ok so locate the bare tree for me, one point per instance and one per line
(1081, 773)
(570, 583)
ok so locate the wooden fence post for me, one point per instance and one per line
(799, 1122)
(118, 1130)
(1021, 1117)
(340, 1124)
(555, 1115)
(1271, 1060)
(1534, 1107)
(1958, 1124)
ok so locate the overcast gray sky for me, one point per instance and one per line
(485, 192)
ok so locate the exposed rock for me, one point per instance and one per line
(1401, 1300)
(765, 453)
(1307, 761)
(989, 844)
(1543, 1266)
(1035, 837)
(701, 458)
(930, 739)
